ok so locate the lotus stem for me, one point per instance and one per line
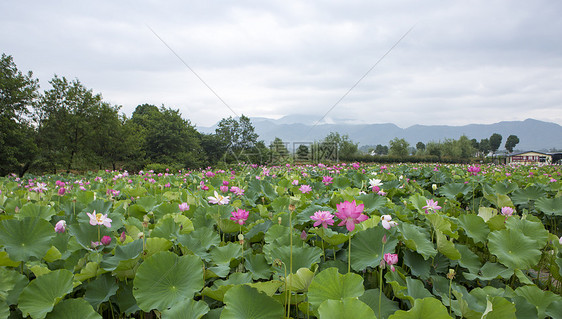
(349, 255)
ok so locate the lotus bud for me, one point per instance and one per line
(140, 235)
(106, 240)
(123, 237)
(60, 227)
(279, 220)
(451, 274)
(384, 239)
(434, 187)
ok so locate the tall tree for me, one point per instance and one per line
(66, 122)
(495, 142)
(168, 138)
(510, 143)
(484, 146)
(398, 147)
(346, 149)
(420, 146)
(18, 93)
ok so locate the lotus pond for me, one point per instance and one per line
(311, 241)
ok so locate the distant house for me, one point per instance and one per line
(530, 157)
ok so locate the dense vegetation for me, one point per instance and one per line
(402, 241)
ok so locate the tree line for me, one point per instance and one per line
(69, 127)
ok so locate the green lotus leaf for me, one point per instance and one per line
(125, 299)
(523, 196)
(165, 279)
(216, 293)
(539, 298)
(499, 200)
(303, 257)
(236, 278)
(85, 233)
(464, 303)
(554, 310)
(128, 251)
(367, 248)
(199, 241)
(514, 249)
(441, 224)
(99, 290)
(43, 293)
(499, 307)
(423, 308)
(166, 228)
(533, 229)
(100, 206)
(497, 222)
(304, 215)
(418, 201)
(505, 188)
(147, 203)
(11, 296)
(550, 206)
(226, 253)
(245, 302)
(417, 239)
(257, 265)
(419, 266)
(487, 212)
(8, 279)
(469, 259)
(453, 190)
(190, 309)
(73, 308)
(155, 245)
(490, 271)
(406, 288)
(4, 310)
(329, 284)
(6, 261)
(331, 237)
(36, 211)
(300, 280)
(163, 209)
(220, 270)
(372, 202)
(371, 298)
(345, 308)
(446, 247)
(475, 227)
(25, 238)
(267, 287)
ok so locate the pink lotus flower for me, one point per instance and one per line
(95, 244)
(223, 188)
(474, 170)
(387, 222)
(183, 207)
(61, 191)
(60, 226)
(507, 211)
(295, 182)
(99, 219)
(106, 240)
(305, 189)
(123, 237)
(239, 216)
(391, 260)
(237, 191)
(323, 217)
(350, 214)
(327, 180)
(219, 199)
(431, 206)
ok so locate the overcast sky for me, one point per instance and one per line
(463, 62)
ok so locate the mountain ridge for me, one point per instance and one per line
(533, 134)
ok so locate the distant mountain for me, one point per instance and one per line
(533, 134)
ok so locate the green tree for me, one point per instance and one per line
(434, 149)
(279, 151)
(420, 146)
(346, 149)
(510, 143)
(66, 122)
(167, 137)
(18, 93)
(381, 149)
(303, 153)
(495, 142)
(241, 141)
(398, 147)
(484, 146)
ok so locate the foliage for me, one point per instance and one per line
(511, 142)
(495, 142)
(471, 257)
